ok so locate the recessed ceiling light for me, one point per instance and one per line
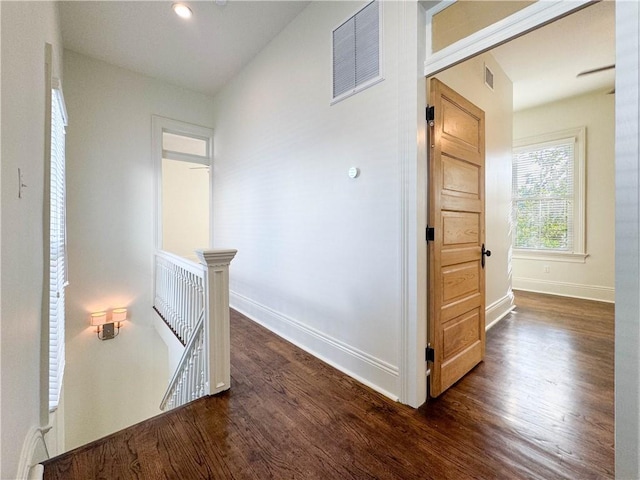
(182, 10)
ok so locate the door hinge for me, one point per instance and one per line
(431, 115)
(430, 354)
(431, 234)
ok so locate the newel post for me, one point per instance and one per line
(216, 325)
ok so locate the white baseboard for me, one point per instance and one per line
(373, 372)
(498, 310)
(565, 289)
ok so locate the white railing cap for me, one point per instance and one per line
(181, 262)
(219, 257)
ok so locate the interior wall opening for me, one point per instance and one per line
(183, 154)
(539, 88)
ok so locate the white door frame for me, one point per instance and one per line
(413, 381)
(158, 126)
(627, 317)
(627, 288)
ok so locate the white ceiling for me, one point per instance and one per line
(544, 63)
(206, 51)
(201, 53)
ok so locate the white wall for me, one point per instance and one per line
(26, 26)
(185, 207)
(319, 254)
(468, 79)
(595, 278)
(111, 202)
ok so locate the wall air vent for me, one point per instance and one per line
(356, 52)
(488, 77)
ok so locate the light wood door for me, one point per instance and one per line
(456, 212)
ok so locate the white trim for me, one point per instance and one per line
(367, 369)
(554, 137)
(358, 89)
(56, 84)
(500, 32)
(627, 328)
(28, 453)
(406, 345)
(380, 77)
(185, 157)
(433, 11)
(412, 334)
(498, 310)
(565, 289)
(549, 256)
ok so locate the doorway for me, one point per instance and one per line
(485, 81)
(183, 154)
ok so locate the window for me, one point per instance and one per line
(356, 52)
(548, 195)
(57, 246)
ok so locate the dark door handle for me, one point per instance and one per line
(485, 252)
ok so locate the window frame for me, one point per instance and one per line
(56, 323)
(578, 254)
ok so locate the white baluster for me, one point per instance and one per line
(194, 301)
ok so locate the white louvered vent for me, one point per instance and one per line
(356, 52)
(488, 77)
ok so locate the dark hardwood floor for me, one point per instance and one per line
(539, 407)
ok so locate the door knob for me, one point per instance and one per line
(486, 253)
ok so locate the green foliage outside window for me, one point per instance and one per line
(543, 197)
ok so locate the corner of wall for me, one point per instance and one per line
(499, 309)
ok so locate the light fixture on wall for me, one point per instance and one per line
(108, 326)
(182, 10)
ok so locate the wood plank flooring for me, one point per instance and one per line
(539, 407)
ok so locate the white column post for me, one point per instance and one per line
(217, 334)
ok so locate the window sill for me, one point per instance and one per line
(566, 257)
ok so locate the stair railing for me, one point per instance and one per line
(185, 290)
(179, 296)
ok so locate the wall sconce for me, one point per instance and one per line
(108, 327)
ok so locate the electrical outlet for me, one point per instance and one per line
(546, 269)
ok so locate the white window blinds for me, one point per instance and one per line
(543, 196)
(356, 51)
(57, 248)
